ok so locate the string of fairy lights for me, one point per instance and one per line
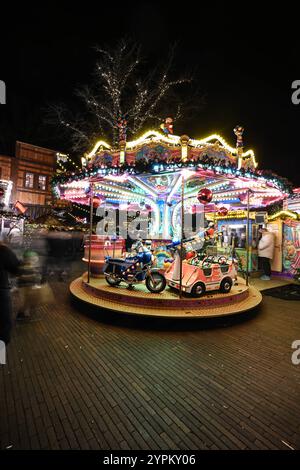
(62, 157)
(157, 167)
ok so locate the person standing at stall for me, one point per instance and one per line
(266, 247)
(9, 264)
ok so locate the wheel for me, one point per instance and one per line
(155, 282)
(112, 280)
(198, 289)
(226, 285)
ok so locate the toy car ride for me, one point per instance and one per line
(200, 275)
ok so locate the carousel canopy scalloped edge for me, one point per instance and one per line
(236, 161)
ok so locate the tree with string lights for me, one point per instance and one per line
(124, 97)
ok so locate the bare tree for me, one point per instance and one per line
(123, 89)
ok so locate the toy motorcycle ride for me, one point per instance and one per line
(133, 270)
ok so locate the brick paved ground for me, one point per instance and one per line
(75, 382)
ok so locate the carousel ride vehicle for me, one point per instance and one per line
(135, 269)
(200, 275)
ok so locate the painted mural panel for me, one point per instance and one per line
(291, 246)
(218, 154)
(157, 153)
(102, 158)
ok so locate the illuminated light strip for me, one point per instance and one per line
(126, 197)
(100, 143)
(261, 192)
(76, 184)
(166, 227)
(153, 135)
(174, 139)
(114, 189)
(118, 178)
(210, 185)
(175, 188)
(292, 215)
(81, 208)
(70, 193)
(143, 186)
(186, 174)
(129, 145)
(239, 216)
(196, 143)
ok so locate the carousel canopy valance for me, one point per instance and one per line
(148, 173)
(151, 166)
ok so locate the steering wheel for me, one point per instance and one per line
(222, 260)
(206, 263)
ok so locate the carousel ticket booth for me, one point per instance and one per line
(232, 239)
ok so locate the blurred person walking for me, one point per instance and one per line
(9, 264)
(29, 280)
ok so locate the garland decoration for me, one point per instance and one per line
(217, 166)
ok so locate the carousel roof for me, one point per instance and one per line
(151, 137)
(151, 167)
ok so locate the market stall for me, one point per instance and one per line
(285, 224)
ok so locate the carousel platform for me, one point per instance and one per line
(167, 304)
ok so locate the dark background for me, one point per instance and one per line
(246, 60)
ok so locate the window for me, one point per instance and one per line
(29, 180)
(42, 182)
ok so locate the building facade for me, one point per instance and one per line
(30, 172)
(5, 167)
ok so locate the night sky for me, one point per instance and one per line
(245, 61)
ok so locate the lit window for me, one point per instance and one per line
(29, 180)
(42, 182)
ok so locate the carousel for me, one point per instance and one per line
(155, 206)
